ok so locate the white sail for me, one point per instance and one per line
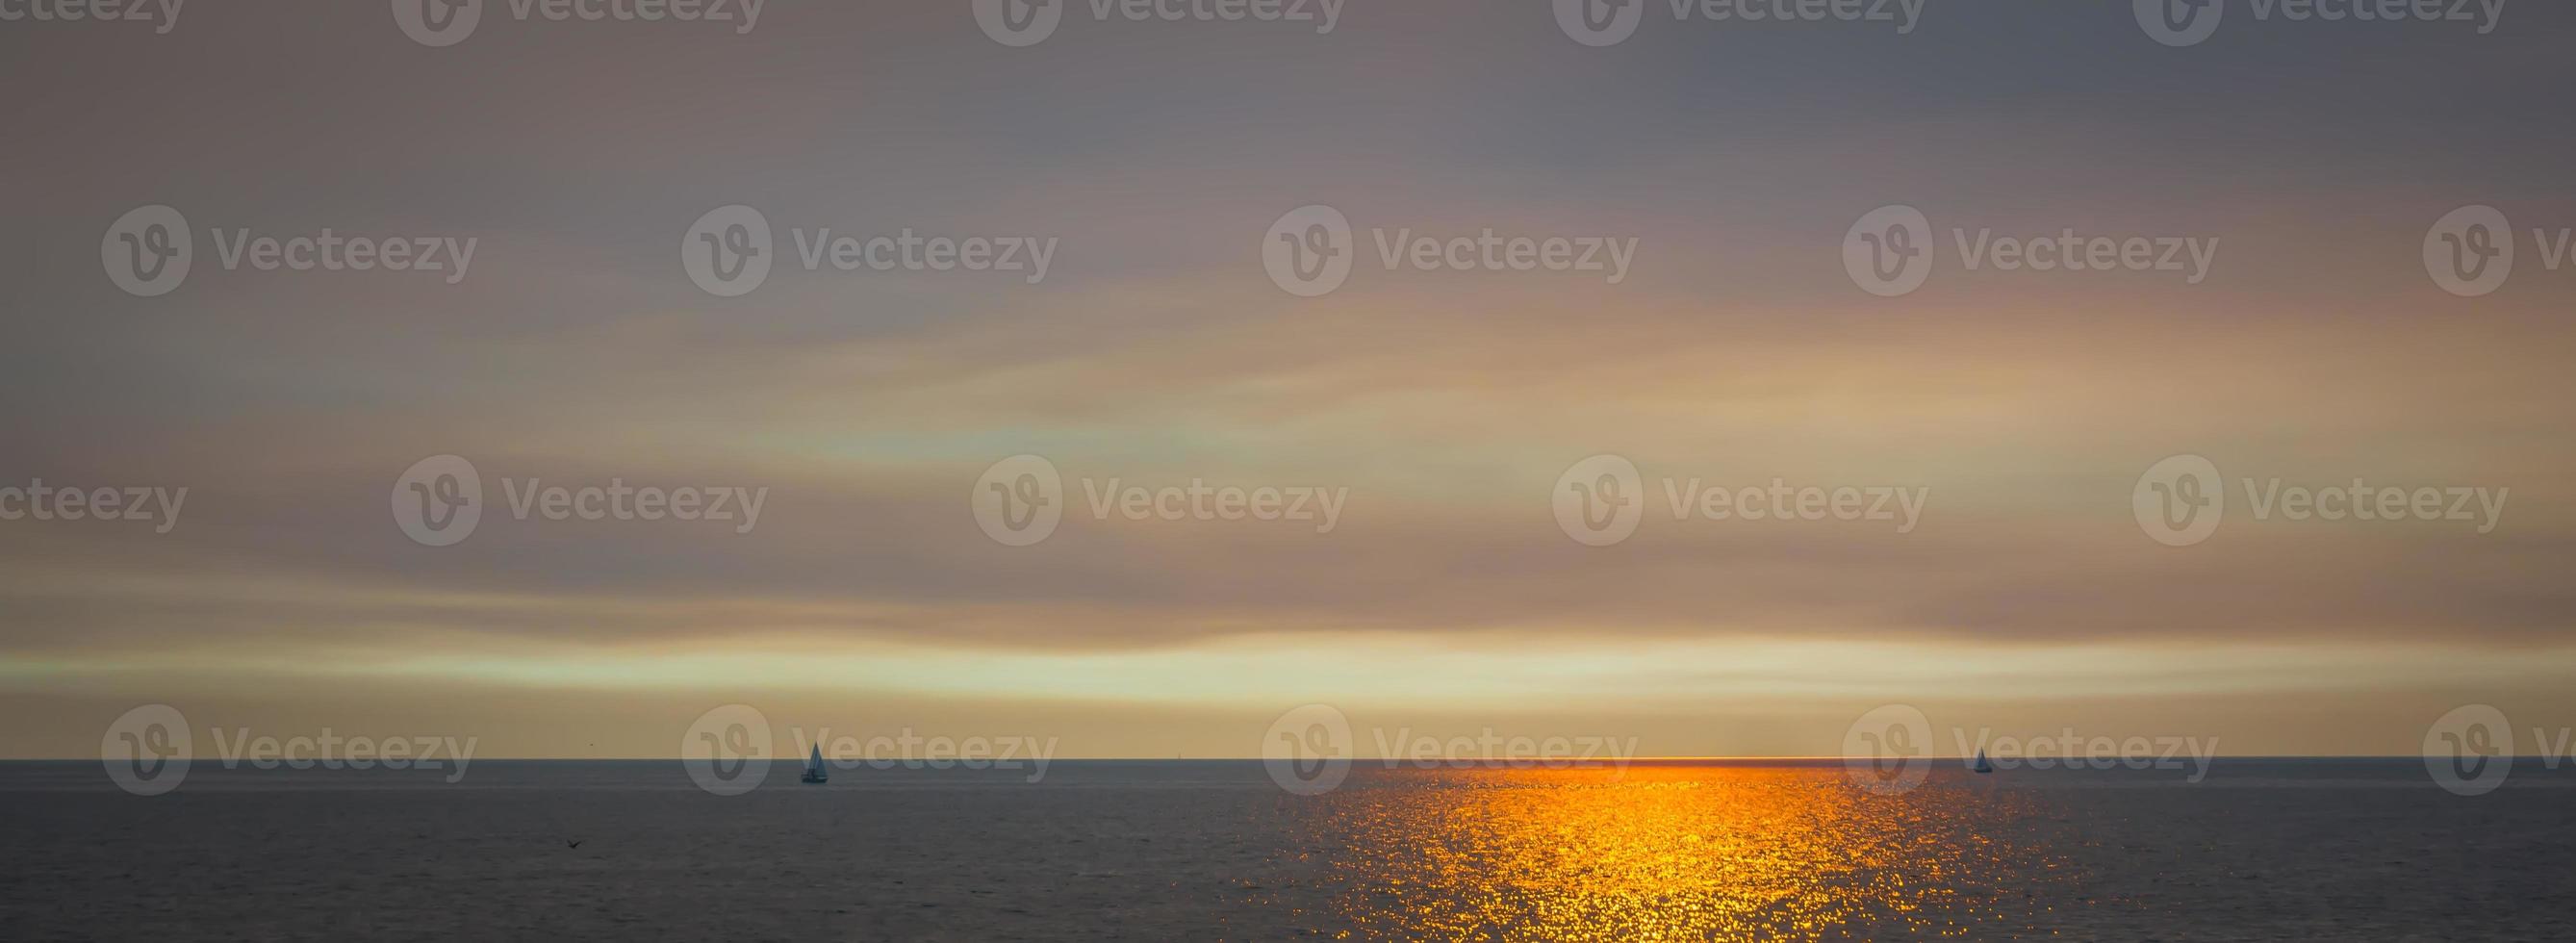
(814, 766)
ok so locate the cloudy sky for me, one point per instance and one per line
(1444, 407)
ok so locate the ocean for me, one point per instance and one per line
(1212, 850)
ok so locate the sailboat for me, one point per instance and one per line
(814, 767)
(1981, 765)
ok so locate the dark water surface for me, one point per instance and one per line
(2261, 850)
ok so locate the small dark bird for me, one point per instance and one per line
(574, 842)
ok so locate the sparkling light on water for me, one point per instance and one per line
(1679, 853)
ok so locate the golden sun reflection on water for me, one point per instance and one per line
(1679, 853)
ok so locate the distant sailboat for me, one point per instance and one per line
(1981, 765)
(814, 767)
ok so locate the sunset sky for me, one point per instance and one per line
(1445, 599)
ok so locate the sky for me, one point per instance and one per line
(1446, 409)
